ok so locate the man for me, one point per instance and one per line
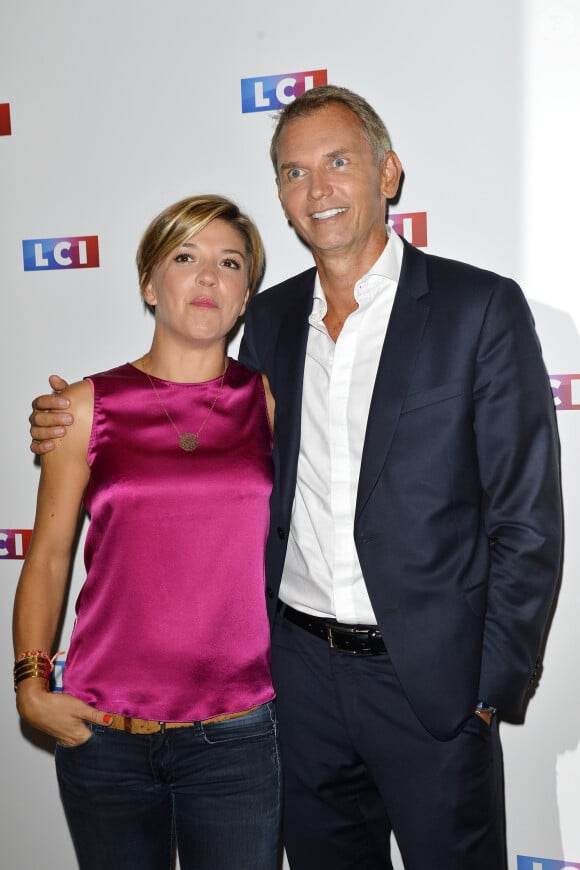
(415, 530)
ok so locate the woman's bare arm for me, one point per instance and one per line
(41, 589)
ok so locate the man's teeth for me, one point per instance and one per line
(321, 215)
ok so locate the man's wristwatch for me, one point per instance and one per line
(485, 711)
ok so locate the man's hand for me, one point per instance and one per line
(46, 422)
(485, 711)
(483, 715)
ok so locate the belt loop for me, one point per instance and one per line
(162, 727)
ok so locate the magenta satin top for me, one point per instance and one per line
(171, 621)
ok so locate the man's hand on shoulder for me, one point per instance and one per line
(49, 418)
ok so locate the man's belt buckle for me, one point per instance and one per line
(334, 632)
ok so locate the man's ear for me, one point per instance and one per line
(391, 172)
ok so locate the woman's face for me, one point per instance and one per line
(201, 289)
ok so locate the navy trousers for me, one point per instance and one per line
(358, 766)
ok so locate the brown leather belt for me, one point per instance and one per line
(352, 639)
(133, 725)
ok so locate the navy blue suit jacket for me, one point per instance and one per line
(458, 515)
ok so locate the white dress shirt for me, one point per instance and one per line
(322, 573)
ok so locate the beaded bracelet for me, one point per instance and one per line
(32, 652)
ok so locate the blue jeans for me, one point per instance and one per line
(212, 789)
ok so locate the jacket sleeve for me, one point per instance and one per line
(518, 457)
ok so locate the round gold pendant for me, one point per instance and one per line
(188, 441)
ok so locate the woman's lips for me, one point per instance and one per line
(204, 302)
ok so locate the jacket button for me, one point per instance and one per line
(281, 533)
(269, 592)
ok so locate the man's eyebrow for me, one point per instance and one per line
(339, 152)
(292, 165)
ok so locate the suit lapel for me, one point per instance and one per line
(407, 322)
(290, 361)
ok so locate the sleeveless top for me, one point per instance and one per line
(171, 621)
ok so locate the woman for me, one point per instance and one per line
(166, 720)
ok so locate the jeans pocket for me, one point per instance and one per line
(89, 739)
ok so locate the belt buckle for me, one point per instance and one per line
(344, 630)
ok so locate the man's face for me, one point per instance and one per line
(331, 187)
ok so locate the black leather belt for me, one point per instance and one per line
(353, 639)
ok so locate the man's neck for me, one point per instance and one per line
(338, 274)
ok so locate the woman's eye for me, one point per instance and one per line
(182, 258)
(231, 264)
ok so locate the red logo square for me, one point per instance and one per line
(5, 128)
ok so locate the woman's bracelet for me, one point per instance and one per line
(33, 663)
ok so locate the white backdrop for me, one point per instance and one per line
(118, 109)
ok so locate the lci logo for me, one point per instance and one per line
(5, 126)
(73, 252)
(267, 93)
(412, 226)
(57, 672)
(527, 863)
(566, 391)
(14, 543)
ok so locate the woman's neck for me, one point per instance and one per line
(188, 366)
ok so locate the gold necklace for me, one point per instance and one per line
(189, 441)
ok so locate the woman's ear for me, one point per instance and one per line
(148, 294)
(245, 303)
